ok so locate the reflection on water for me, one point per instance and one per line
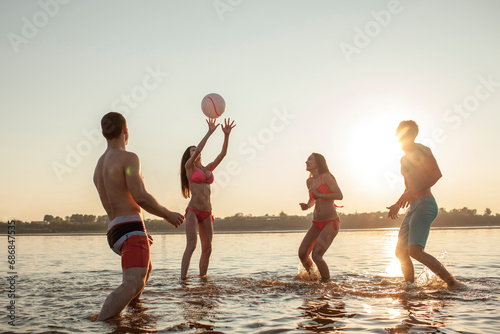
(323, 315)
(200, 303)
(255, 290)
(136, 319)
(426, 316)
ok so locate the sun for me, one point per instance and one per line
(374, 148)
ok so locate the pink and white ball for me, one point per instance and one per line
(213, 105)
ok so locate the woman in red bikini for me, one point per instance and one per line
(323, 190)
(195, 183)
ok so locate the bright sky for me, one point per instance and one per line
(333, 77)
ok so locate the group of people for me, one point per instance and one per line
(120, 185)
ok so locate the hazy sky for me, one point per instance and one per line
(333, 77)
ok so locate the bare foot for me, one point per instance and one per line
(456, 285)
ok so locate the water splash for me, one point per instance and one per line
(303, 275)
(428, 279)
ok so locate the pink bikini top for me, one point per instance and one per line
(200, 177)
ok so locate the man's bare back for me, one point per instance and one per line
(120, 185)
(110, 179)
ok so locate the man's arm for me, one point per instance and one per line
(135, 184)
(430, 173)
(427, 175)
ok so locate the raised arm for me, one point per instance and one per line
(135, 184)
(228, 126)
(211, 128)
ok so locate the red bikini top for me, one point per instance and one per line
(322, 189)
(200, 177)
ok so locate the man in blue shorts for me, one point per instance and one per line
(420, 171)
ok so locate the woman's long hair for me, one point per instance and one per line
(321, 163)
(184, 180)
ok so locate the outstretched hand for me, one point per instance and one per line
(228, 126)
(211, 124)
(404, 200)
(175, 218)
(393, 211)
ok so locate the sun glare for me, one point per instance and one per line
(374, 149)
(394, 267)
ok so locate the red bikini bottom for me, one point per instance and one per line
(321, 224)
(201, 215)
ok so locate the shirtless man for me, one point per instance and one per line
(420, 171)
(119, 182)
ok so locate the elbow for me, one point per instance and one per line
(340, 196)
(141, 199)
(437, 177)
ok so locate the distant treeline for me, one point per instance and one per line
(79, 223)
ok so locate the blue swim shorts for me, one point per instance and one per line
(417, 222)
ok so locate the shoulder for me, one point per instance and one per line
(309, 181)
(420, 153)
(101, 160)
(189, 166)
(129, 157)
(423, 149)
(130, 162)
(328, 177)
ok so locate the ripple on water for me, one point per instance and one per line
(264, 301)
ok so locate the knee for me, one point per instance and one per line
(317, 256)
(191, 245)
(401, 254)
(136, 284)
(415, 252)
(302, 254)
(207, 249)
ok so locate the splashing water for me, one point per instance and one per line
(312, 275)
(245, 293)
(427, 278)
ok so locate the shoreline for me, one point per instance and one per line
(262, 231)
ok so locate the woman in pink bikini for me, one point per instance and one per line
(195, 183)
(323, 190)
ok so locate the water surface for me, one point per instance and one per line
(254, 286)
